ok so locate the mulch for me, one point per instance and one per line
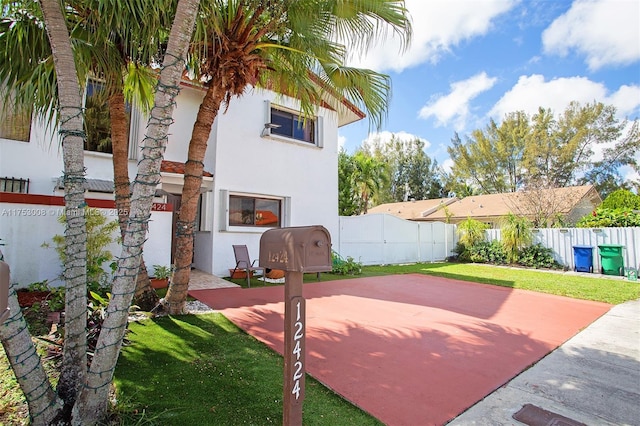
(412, 349)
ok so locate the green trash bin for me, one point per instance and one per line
(612, 262)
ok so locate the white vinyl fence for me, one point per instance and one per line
(561, 241)
(382, 239)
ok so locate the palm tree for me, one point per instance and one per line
(515, 234)
(288, 47)
(44, 404)
(114, 44)
(84, 393)
(369, 176)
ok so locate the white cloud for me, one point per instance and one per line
(437, 26)
(447, 165)
(342, 140)
(604, 31)
(454, 107)
(531, 92)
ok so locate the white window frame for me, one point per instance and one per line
(225, 196)
(317, 124)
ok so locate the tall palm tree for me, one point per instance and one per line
(46, 406)
(114, 44)
(82, 396)
(292, 47)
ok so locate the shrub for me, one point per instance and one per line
(622, 198)
(610, 218)
(346, 266)
(470, 233)
(538, 256)
(487, 252)
(100, 234)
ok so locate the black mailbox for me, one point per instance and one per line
(296, 249)
(4, 291)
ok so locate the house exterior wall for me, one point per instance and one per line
(304, 176)
(25, 226)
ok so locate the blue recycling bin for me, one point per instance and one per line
(583, 258)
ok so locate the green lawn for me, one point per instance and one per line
(590, 287)
(593, 287)
(203, 370)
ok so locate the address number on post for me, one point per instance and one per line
(298, 346)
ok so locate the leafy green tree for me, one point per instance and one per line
(515, 234)
(543, 151)
(563, 148)
(347, 197)
(412, 173)
(296, 48)
(621, 198)
(100, 234)
(491, 160)
(610, 218)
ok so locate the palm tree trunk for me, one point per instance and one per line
(74, 362)
(177, 295)
(92, 403)
(145, 296)
(43, 403)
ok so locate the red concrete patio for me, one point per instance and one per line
(412, 349)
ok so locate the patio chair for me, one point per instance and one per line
(243, 262)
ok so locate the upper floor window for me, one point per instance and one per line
(96, 118)
(254, 211)
(284, 123)
(292, 126)
(15, 124)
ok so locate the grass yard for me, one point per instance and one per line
(591, 287)
(203, 370)
(595, 287)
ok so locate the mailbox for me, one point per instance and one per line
(4, 291)
(296, 249)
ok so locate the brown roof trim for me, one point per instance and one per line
(178, 168)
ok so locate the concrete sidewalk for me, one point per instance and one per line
(594, 378)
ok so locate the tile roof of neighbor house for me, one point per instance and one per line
(497, 205)
(411, 210)
(177, 167)
(563, 200)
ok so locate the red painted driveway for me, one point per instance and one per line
(412, 349)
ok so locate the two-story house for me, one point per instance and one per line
(264, 166)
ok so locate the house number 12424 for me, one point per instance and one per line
(298, 334)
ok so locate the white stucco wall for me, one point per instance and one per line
(25, 227)
(248, 163)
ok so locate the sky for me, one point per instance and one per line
(473, 60)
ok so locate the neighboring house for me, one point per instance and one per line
(264, 168)
(412, 210)
(543, 206)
